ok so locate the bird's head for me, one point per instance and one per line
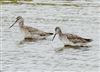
(57, 31)
(18, 19)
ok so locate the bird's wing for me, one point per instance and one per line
(36, 31)
(75, 38)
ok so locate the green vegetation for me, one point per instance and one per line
(14, 0)
(11, 1)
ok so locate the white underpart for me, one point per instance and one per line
(32, 35)
(65, 40)
(26, 34)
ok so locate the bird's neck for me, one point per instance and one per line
(21, 24)
(60, 33)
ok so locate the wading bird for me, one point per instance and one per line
(30, 33)
(71, 39)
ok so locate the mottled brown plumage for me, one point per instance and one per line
(76, 39)
(30, 32)
(71, 39)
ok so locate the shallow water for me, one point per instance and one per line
(45, 55)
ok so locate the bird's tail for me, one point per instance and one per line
(50, 33)
(88, 40)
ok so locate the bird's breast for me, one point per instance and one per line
(64, 39)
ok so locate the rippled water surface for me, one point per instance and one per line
(45, 55)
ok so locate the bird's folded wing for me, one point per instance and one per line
(75, 38)
(36, 31)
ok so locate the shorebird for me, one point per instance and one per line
(30, 33)
(71, 39)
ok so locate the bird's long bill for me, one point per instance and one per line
(54, 37)
(13, 23)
